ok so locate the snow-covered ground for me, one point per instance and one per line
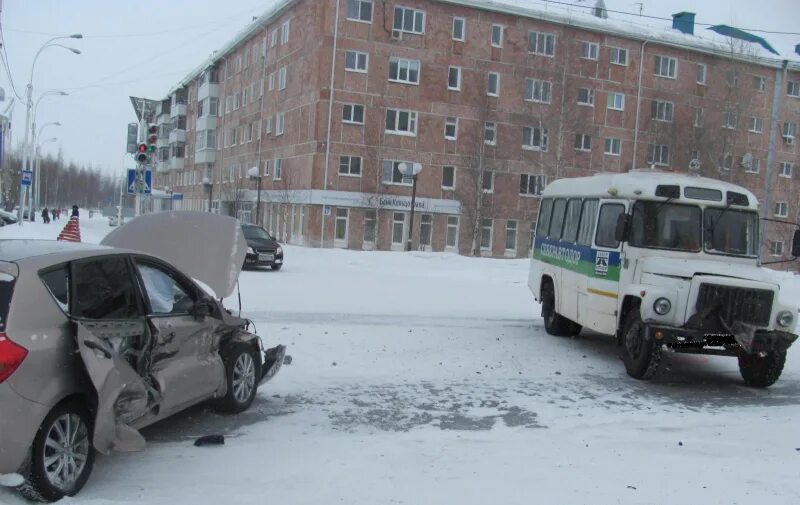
(428, 379)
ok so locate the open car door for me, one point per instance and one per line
(122, 395)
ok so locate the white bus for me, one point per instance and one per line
(662, 261)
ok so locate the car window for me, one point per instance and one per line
(57, 282)
(166, 294)
(103, 289)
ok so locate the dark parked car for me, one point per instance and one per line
(262, 248)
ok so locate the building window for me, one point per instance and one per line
(268, 125)
(285, 32)
(497, 35)
(266, 168)
(282, 78)
(586, 97)
(405, 71)
(665, 67)
(425, 229)
(237, 101)
(448, 177)
(613, 146)
(534, 138)
(227, 104)
(726, 162)
(511, 236)
(542, 43)
(789, 132)
(398, 227)
(751, 165)
(487, 182)
(658, 154)
(359, 10)
(370, 220)
(273, 38)
(583, 142)
(616, 101)
(451, 240)
(353, 113)
(249, 132)
(278, 172)
(490, 133)
(271, 81)
(589, 50)
(537, 90)
(532, 184)
(781, 209)
(280, 120)
(486, 234)
(793, 88)
(391, 173)
(459, 29)
(759, 83)
(355, 61)
(409, 20)
(350, 165)
(454, 78)
(701, 73)
(732, 78)
(493, 86)
(776, 248)
(698, 117)
(785, 169)
(342, 216)
(451, 128)
(729, 119)
(662, 111)
(756, 125)
(401, 122)
(619, 56)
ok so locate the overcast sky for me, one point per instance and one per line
(143, 47)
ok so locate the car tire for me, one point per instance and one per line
(554, 323)
(242, 373)
(640, 353)
(42, 481)
(277, 266)
(761, 372)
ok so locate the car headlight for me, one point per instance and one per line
(250, 250)
(785, 318)
(280, 250)
(662, 306)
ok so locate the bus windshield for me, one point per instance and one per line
(664, 225)
(730, 232)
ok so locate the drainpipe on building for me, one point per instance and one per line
(638, 104)
(330, 114)
(780, 77)
(261, 120)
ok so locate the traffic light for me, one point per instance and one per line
(141, 154)
(152, 138)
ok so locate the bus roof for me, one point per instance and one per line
(638, 184)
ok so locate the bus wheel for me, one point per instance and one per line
(760, 371)
(555, 323)
(641, 354)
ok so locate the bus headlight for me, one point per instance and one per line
(785, 318)
(662, 306)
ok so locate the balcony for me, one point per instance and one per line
(178, 109)
(163, 118)
(162, 142)
(176, 163)
(206, 90)
(162, 166)
(177, 136)
(205, 156)
(206, 123)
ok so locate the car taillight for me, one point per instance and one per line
(11, 357)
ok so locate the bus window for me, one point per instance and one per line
(572, 221)
(607, 223)
(588, 220)
(557, 223)
(543, 220)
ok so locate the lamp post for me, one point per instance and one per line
(210, 187)
(168, 191)
(410, 171)
(26, 146)
(37, 193)
(34, 137)
(254, 173)
(37, 165)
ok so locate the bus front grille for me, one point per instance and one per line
(736, 304)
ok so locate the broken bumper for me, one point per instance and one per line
(759, 341)
(273, 361)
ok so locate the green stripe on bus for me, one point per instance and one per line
(586, 268)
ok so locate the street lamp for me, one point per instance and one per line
(410, 171)
(210, 187)
(38, 168)
(37, 192)
(26, 146)
(255, 174)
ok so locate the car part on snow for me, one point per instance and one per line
(274, 358)
(210, 440)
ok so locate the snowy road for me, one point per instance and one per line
(428, 379)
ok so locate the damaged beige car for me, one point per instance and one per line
(98, 341)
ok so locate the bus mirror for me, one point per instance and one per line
(621, 231)
(796, 244)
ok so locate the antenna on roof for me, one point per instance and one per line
(641, 7)
(599, 10)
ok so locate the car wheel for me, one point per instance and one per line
(63, 455)
(277, 266)
(640, 353)
(242, 373)
(761, 372)
(555, 323)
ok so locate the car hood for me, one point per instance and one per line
(262, 243)
(209, 247)
(687, 268)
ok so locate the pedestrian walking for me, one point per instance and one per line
(55, 214)
(75, 211)
(45, 215)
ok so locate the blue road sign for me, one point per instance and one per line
(27, 175)
(147, 183)
(131, 181)
(177, 196)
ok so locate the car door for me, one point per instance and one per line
(184, 362)
(112, 336)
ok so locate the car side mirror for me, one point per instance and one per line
(201, 309)
(796, 244)
(621, 230)
(184, 305)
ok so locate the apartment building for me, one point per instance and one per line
(492, 100)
